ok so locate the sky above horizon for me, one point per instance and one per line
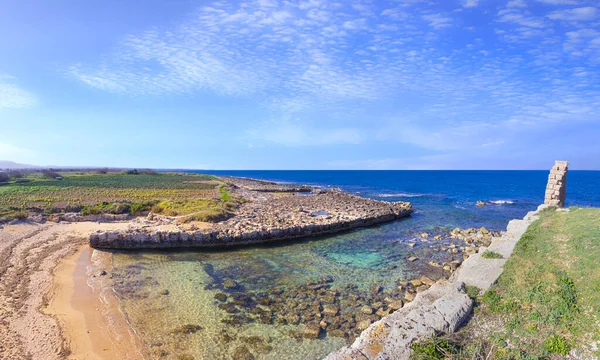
(315, 84)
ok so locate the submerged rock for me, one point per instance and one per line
(312, 330)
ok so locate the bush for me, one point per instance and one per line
(15, 174)
(557, 345)
(433, 349)
(50, 174)
(4, 177)
(491, 255)
(147, 171)
(102, 171)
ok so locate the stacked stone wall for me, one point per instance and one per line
(556, 190)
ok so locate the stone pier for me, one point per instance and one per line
(556, 190)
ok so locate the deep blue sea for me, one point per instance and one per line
(354, 260)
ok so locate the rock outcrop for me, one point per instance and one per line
(275, 219)
(263, 186)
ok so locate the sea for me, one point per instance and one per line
(169, 297)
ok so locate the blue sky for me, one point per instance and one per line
(268, 84)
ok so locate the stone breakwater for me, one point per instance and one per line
(276, 219)
(263, 186)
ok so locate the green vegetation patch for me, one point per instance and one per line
(95, 193)
(433, 349)
(207, 210)
(491, 255)
(547, 300)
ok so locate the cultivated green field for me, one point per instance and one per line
(546, 302)
(169, 193)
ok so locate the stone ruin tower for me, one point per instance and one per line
(556, 191)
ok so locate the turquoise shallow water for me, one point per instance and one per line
(162, 292)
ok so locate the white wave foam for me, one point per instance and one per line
(401, 195)
(501, 202)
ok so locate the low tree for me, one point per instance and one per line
(4, 177)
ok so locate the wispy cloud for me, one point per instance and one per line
(12, 96)
(577, 14)
(316, 65)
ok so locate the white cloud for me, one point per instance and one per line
(470, 3)
(12, 96)
(560, 2)
(438, 21)
(577, 14)
(320, 68)
(516, 3)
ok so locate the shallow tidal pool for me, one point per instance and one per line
(254, 302)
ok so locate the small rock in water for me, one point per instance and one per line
(312, 330)
(409, 296)
(164, 292)
(366, 310)
(242, 353)
(292, 319)
(330, 310)
(424, 235)
(229, 308)
(337, 333)
(412, 258)
(396, 305)
(187, 329)
(427, 281)
(416, 283)
(375, 289)
(363, 325)
(229, 284)
(221, 297)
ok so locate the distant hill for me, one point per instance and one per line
(5, 164)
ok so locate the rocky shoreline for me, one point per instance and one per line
(275, 219)
(263, 186)
(442, 308)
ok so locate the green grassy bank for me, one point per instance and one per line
(546, 303)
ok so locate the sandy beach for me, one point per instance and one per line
(47, 309)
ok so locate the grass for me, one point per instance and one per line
(547, 300)
(207, 210)
(94, 193)
(487, 254)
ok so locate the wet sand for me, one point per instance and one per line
(90, 318)
(29, 254)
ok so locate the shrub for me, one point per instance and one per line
(493, 300)
(472, 291)
(491, 255)
(102, 171)
(557, 345)
(434, 349)
(132, 172)
(4, 177)
(50, 174)
(15, 174)
(147, 171)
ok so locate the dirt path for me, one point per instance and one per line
(28, 255)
